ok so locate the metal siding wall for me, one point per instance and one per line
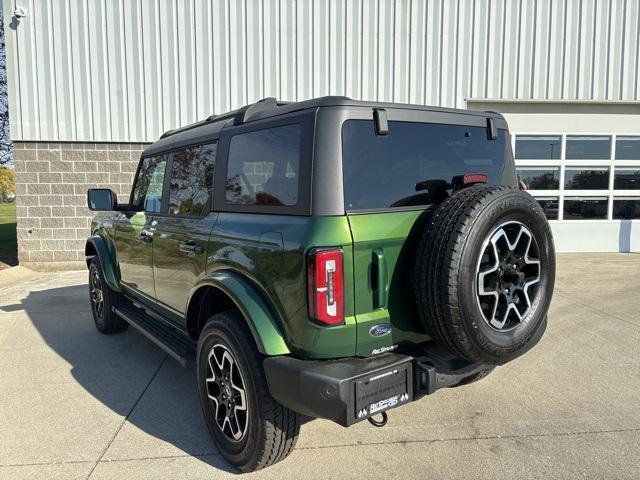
(126, 70)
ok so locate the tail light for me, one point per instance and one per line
(326, 286)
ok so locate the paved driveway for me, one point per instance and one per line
(77, 404)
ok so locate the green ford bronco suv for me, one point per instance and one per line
(324, 259)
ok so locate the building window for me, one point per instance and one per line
(539, 178)
(586, 178)
(627, 147)
(627, 178)
(539, 147)
(626, 208)
(588, 147)
(589, 208)
(550, 206)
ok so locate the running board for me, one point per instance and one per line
(164, 336)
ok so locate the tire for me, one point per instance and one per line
(484, 274)
(102, 299)
(259, 431)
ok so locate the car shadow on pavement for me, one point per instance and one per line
(126, 373)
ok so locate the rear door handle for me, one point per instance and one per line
(191, 247)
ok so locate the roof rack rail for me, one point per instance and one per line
(239, 116)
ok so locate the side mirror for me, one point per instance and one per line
(101, 199)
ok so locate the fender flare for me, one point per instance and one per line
(107, 262)
(253, 307)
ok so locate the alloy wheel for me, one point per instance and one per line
(226, 392)
(97, 297)
(508, 274)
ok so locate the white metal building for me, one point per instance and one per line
(564, 72)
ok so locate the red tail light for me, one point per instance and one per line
(326, 286)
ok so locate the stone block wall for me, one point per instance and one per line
(51, 206)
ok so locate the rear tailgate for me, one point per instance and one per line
(391, 184)
(382, 258)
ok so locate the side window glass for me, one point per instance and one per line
(147, 192)
(264, 167)
(191, 180)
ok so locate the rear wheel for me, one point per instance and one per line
(249, 427)
(485, 272)
(102, 299)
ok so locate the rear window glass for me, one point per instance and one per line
(416, 162)
(263, 167)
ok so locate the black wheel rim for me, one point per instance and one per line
(508, 276)
(226, 393)
(97, 297)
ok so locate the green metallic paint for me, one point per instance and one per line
(179, 256)
(107, 261)
(253, 307)
(384, 248)
(270, 251)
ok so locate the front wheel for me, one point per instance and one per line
(249, 427)
(102, 299)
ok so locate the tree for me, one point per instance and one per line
(7, 184)
(6, 146)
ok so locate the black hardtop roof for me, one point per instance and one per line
(210, 128)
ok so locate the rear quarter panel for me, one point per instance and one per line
(270, 251)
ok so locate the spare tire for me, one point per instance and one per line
(484, 273)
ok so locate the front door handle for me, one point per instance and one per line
(191, 247)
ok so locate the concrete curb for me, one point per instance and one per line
(13, 275)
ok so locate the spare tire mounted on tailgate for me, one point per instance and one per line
(484, 273)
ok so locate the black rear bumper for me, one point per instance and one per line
(350, 390)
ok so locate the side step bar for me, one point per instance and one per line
(164, 336)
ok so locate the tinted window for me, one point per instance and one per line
(147, 193)
(588, 147)
(626, 208)
(627, 148)
(585, 208)
(540, 178)
(192, 180)
(415, 163)
(263, 167)
(586, 178)
(627, 178)
(550, 206)
(539, 147)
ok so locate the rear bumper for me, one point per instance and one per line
(350, 390)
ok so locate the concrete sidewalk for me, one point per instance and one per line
(78, 404)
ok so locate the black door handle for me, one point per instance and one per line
(191, 247)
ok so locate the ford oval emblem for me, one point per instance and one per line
(380, 330)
